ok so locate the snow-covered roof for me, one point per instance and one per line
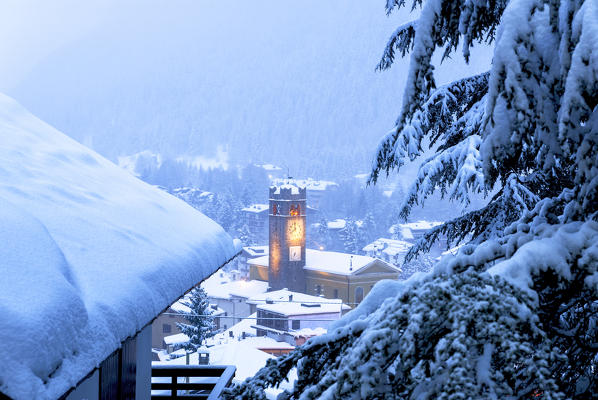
(89, 255)
(421, 225)
(255, 251)
(256, 208)
(309, 183)
(337, 224)
(234, 288)
(286, 184)
(309, 332)
(269, 167)
(179, 338)
(329, 261)
(391, 247)
(288, 303)
(244, 354)
(243, 326)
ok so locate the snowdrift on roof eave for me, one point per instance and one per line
(89, 255)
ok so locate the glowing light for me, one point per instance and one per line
(295, 230)
(321, 247)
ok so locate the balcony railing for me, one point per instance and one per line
(190, 381)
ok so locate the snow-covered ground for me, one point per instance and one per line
(89, 255)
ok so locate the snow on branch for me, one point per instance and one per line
(402, 40)
(452, 112)
(506, 206)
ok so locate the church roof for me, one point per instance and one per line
(330, 261)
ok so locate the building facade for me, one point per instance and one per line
(334, 275)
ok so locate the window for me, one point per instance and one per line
(318, 289)
(166, 328)
(358, 294)
(296, 324)
(335, 293)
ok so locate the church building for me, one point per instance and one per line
(289, 265)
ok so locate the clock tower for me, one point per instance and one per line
(287, 237)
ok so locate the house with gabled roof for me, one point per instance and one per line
(89, 255)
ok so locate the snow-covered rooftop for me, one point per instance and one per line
(391, 247)
(256, 208)
(309, 183)
(179, 338)
(337, 224)
(241, 288)
(289, 303)
(89, 255)
(286, 184)
(256, 251)
(328, 261)
(421, 225)
(244, 354)
(269, 167)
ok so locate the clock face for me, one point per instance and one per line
(295, 253)
(295, 230)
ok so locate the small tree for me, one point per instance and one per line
(245, 236)
(350, 236)
(201, 322)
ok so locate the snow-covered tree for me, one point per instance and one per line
(515, 313)
(369, 227)
(201, 322)
(245, 236)
(323, 234)
(352, 237)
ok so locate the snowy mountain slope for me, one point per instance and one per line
(89, 255)
(289, 83)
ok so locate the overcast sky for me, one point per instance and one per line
(191, 76)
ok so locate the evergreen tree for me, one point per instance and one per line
(323, 234)
(515, 313)
(353, 237)
(201, 323)
(369, 228)
(245, 236)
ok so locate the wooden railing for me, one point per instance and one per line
(190, 381)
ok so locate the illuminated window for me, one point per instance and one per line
(295, 210)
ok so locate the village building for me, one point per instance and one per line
(165, 325)
(289, 265)
(335, 275)
(412, 231)
(315, 189)
(392, 251)
(90, 256)
(249, 253)
(255, 217)
(287, 316)
(231, 296)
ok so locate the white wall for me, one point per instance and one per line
(312, 321)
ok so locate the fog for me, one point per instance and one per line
(289, 83)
